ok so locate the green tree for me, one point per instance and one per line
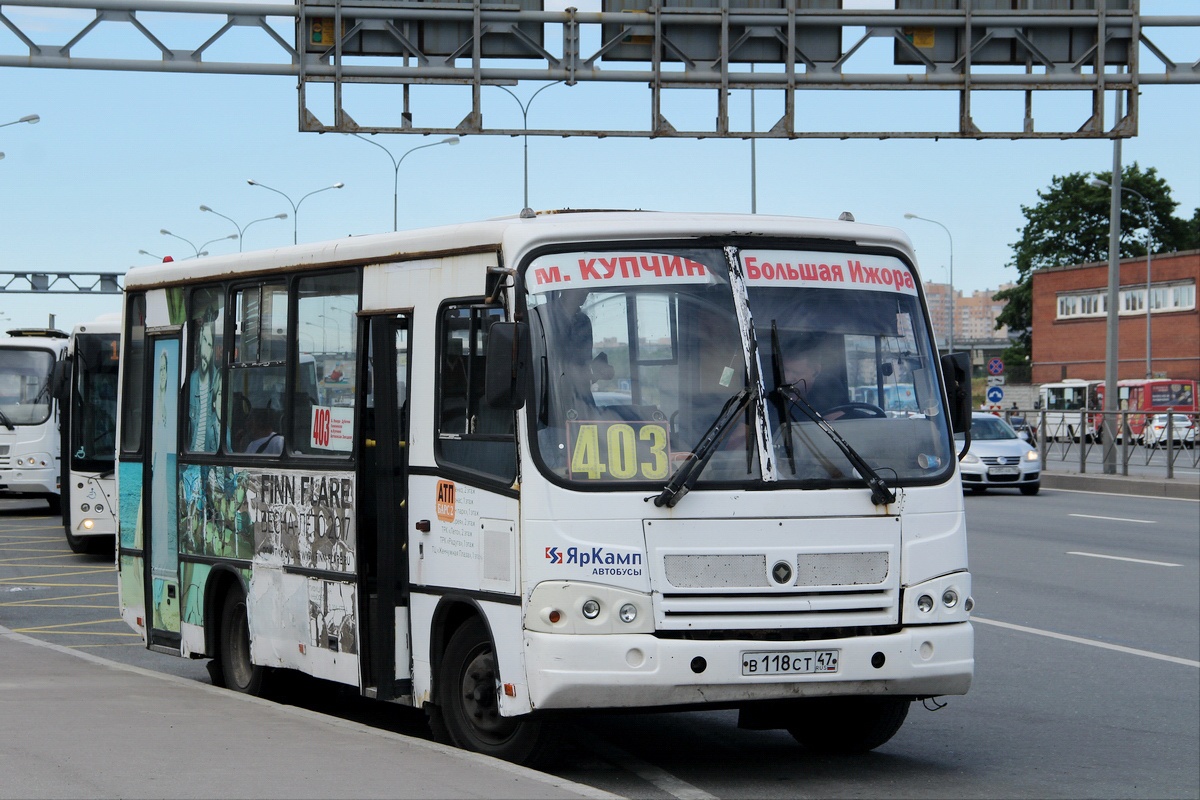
(1069, 225)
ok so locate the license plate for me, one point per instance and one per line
(790, 662)
(1004, 471)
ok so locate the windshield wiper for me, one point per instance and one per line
(6, 422)
(689, 471)
(880, 493)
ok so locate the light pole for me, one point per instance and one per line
(195, 250)
(148, 253)
(213, 241)
(451, 140)
(241, 230)
(296, 205)
(950, 335)
(322, 327)
(32, 119)
(526, 211)
(1099, 184)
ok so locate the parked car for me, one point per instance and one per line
(1183, 431)
(998, 458)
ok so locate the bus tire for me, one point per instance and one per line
(79, 544)
(239, 673)
(55, 503)
(848, 725)
(468, 713)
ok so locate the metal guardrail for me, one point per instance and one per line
(1086, 438)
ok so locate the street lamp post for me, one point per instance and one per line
(1099, 184)
(526, 211)
(950, 334)
(295, 205)
(241, 230)
(32, 119)
(195, 250)
(451, 140)
(148, 253)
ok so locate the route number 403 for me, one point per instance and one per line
(619, 451)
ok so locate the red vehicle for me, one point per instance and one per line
(1152, 395)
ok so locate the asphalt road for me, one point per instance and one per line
(1087, 669)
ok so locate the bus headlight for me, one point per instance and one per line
(88, 524)
(84, 507)
(573, 607)
(942, 600)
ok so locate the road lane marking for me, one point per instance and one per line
(665, 781)
(1123, 558)
(1092, 642)
(1116, 519)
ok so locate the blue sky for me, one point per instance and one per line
(119, 156)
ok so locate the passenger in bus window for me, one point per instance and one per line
(266, 438)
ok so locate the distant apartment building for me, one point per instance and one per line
(974, 314)
(1070, 317)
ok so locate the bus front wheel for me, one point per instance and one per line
(468, 711)
(239, 672)
(848, 725)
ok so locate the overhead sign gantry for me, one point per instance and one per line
(1033, 48)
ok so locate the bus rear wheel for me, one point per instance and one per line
(848, 725)
(239, 672)
(468, 710)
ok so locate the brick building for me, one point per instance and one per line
(1070, 312)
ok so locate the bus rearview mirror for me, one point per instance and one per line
(507, 368)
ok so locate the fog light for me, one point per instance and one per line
(591, 609)
(969, 605)
(924, 604)
(88, 524)
(99, 508)
(949, 598)
(84, 507)
(628, 612)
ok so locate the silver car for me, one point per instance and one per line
(999, 458)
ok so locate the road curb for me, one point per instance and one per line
(1120, 484)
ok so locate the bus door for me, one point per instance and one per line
(162, 545)
(383, 508)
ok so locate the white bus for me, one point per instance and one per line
(476, 533)
(87, 394)
(29, 438)
(1063, 403)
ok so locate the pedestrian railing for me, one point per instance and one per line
(1086, 439)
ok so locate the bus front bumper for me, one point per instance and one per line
(641, 671)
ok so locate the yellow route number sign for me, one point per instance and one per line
(618, 451)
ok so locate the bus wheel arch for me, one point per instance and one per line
(465, 709)
(222, 582)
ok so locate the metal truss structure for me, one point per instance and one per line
(61, 282)
(1100, 48)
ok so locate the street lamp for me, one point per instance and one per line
(241, 230)
(296, 205)
(1099, 184)
(32, 119)
(950, 335)
(195, 250)
(451, 140)
(526, 211)
(212, 241)
(148, 253)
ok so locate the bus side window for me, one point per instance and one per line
(471, 434)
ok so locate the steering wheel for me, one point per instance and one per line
(857, 411)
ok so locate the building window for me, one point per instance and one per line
(1164, 298)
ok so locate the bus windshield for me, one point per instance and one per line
(94, 401)
(631, 372)
(25, 386)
